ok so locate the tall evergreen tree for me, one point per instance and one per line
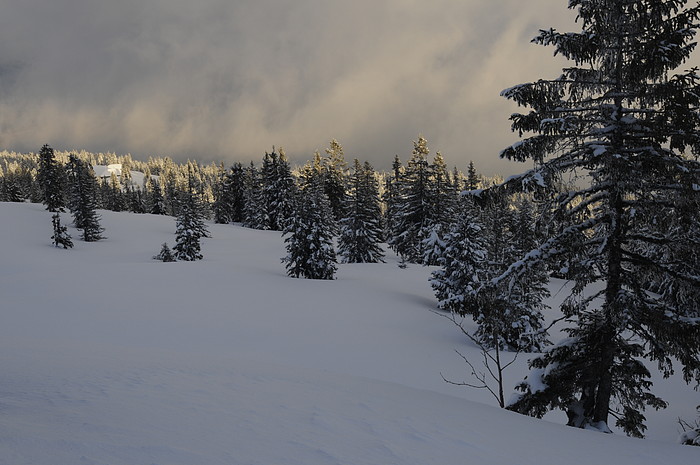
(617, 115)
(463, 265)
(255, 210)
(309, 235)
(190, 226)
(472, 178)
(83, 199)
(279, 188)
(335, 178)
(51, 178)
(413, 213)
(361, 229)
(441, 211)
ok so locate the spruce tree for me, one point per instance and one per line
(620, 117)
(60, 237)
(442, 202)
(165, 254)
(392, 200)
(361, 229)
(335, 179)
(309, 235)
(413, 212)
(463, 265)
(51, 178)
(472, 178)
(83, 199)
(279, 188)
(190, 226)
(255, 208)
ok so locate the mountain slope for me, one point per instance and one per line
(109, 357)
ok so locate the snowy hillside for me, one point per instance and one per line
(108, 357)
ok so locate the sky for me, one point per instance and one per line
(228, 79)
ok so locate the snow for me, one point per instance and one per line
(110, 357)
(105, 171)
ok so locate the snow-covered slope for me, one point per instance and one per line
(109, 357)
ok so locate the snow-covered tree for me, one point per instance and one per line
(335, 178)
(442, 203)
(691, 432)
(279, 189)
(472, 178)
(190, 226)
(255, 208)
(413, 212)
(83, 199)
(308, 236)
(165, 254)
(392, 201)
(463, 266)
(60, 237)
(618, 116)
(361, 229)
(51, 179)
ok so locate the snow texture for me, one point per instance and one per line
(110, 357)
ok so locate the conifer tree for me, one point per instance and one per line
(392, 200)
(413, 212)
(618, 116)
(116, 200)
(335, 178)
(463, 265)
(472, 178)
(221, 207)
(83, 199)
(51, 178)
(155, 203)
(60, 237)
(441, 203)
(361, 229)
(165, 254)
(255, 209)
(279, 188)
(309, 235)
(190, 226)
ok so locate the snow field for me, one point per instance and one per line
(109, 357)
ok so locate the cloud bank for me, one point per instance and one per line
(226, 80)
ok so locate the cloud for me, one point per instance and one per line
(226, 80)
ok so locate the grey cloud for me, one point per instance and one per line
(222, 79)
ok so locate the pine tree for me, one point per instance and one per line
(51, 178)
(335, 179)
(413, 212)
(308, 236)
(255, 208)
(392, 201)
(165, 254)
(617, 116)
(155, 203)
(441, 203)
(463, 266)
(511, 310)
(361, 229)
(279, 188)
(115, 199)
(190, 226)
(83, 199)
(472, 178)
(221, 207)
(60, 237)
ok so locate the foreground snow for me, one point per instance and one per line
(108, 357)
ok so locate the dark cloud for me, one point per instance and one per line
(223, 79)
